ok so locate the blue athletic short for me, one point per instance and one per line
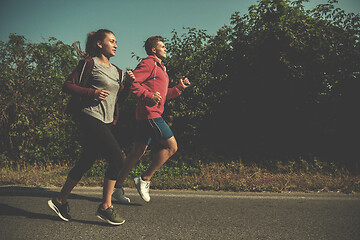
(152, 129)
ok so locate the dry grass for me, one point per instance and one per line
(40, 175)
(237, 177)
(233, 176)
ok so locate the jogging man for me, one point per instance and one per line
(151, 88)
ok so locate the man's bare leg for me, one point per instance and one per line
(160, 157)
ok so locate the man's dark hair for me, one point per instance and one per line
(151, 42)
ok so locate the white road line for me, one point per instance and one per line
(227, 195)
(97, 191)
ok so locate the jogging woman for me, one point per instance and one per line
(96, 87)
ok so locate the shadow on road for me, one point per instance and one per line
(39, 192)
(46, 193)
(6, 210)
(18, 191)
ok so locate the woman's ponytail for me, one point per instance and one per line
(91, 48)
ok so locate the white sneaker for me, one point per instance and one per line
(143, 188)
(119, 195)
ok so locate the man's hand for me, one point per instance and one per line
(184, 81)
(156, 98)
(129, 77)
(101, 94)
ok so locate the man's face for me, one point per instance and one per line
(160, 50)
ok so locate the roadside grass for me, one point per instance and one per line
(297, 176)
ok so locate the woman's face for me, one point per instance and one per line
(108, 45)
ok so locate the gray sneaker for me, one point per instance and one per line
(143, 188)
(119, 196)
(109, 215)
(62, 210)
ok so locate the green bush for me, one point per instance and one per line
(278, 84)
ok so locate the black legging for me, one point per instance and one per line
(97, 140)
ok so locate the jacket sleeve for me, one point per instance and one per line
(124, 90)
(174, 91)
(142, 72)
(71, 85)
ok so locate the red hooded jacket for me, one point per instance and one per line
(151, 77)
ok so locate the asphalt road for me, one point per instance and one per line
(24, 214)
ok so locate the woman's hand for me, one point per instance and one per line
(101, 94)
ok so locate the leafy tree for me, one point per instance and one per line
(287, 64)
(273, 84)
(200, 57)
(33, 125)
(281, 82)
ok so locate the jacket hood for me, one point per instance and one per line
(151, 58)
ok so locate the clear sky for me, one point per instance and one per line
(132, 21)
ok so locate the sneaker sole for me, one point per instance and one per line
(124, 200)
(137, 184)
(109, 221)
(56, 210)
